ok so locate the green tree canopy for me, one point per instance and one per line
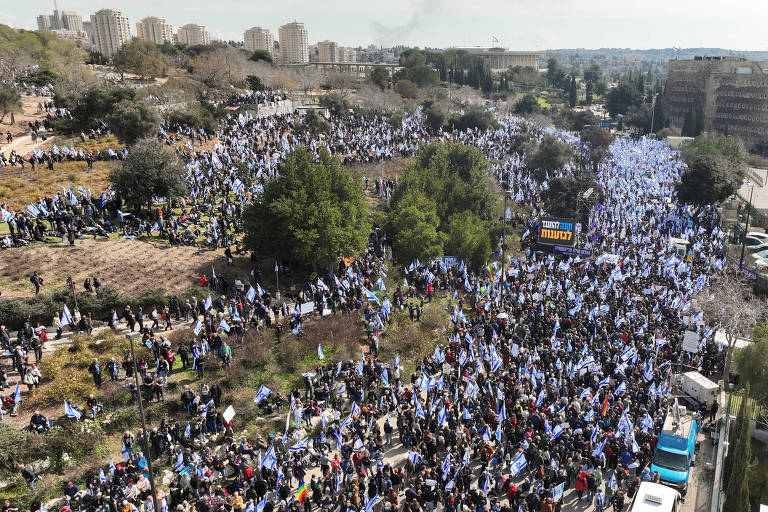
(434, 116)
(752, 362)
(132, 120)
(407, 89)
(149, 170)
(95, 103)
(454, 177)
(261, 55)
(596, 140)
(528, 104)
(379, 76)
(620, 98)
(474, 117)
(335, 103)
(551, 155)
(10, 100)
(716, 166)
(417, 226)
(561, 196)
(314, 213)
(140, 57)
(738, 461)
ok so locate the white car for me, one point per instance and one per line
(759, 236)
(762, 263)
(760, 254)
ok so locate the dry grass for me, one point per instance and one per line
(19, 188)
(131, 266)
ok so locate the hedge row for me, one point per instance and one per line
(44, 306)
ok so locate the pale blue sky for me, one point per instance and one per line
(524, 25)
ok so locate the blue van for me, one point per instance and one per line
(676, 448)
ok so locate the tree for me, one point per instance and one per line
(254, 83)
(407, 89)
(551, 155)
(589, 93)
(261, 55)
(434, 116)
(10, 100)
(379, 76)
(454, 178)
(415, 222)
(93, 104)
(335, 103)
(474, 117)
(140, 57)
(132, 120)
(528, 104)
(315, 213)
(572, 93)
(561, 197)
(752, 362)
(467, 237)
(729, 306)
(313, 123)
(582, 119)
(620, 98)
(716, 166)
(149, 171)
(596, 140)
(738, 460)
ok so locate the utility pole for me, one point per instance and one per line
(746, 229)
(145, 447)
(277, 283)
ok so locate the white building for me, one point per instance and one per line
(61, 20)
(258, 38)
(110, 31)
(194, 35)
(347, 54)
(157, 30)
(294, 43)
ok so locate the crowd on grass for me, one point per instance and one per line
(547, 393)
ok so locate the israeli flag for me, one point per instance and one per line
(622, 388)
(208, 302)
(612, 482)
(102, 477)
(70, 411)
(441, 417)
(17, 394)
(6, 215)
(179, 462)
(260, 290)
(599, 448)
(359, 445)
(465, 458)
(66, 317)
(557, 492)
(605, 382)
(262, 504)
(371, 503)
(251, 295)
(32, 210)
(320, 354)
(385, 377)
(224, 325)
(301, 445)
(556, 432)
(518, 464)
(380, 284)
(370, 296)
(188, 431)
(414, 457)
(125, 452)
(198, 327)
(269, 460)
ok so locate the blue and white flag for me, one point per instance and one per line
(198, 327)
(224, 325)
(102, 477)
(17, 394)
(251, 295)
(320, 354)
(269, 461)
(599, 448)
(370, 296)
(125, 452)
(518, 464)
(371, 503)
(557, 492)
(179, 462)
(262, 504)
(301, 445)
(556, 432)
(70, 411)
(66, 317)
(208, 302)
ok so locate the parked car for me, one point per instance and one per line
(760, 254)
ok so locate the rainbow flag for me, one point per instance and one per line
(301, 492)
(604, 408)
(488, 272)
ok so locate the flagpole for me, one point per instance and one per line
(145, 447)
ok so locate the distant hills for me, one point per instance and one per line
(653, 54)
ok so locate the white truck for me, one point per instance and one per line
(652, 497)
(696, 386)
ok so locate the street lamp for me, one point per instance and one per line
(277, 283)
(145, 447)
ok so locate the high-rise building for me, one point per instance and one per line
(328, 51)
(347, 54)
(157, 30)
(61, 20)
(721, 95)
(110, 31)
(294, 43)
(192, 34)
(258, 38)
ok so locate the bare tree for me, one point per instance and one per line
(730, 306)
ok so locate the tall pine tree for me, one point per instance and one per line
(737, 463)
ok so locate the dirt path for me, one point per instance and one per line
(22, 141)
